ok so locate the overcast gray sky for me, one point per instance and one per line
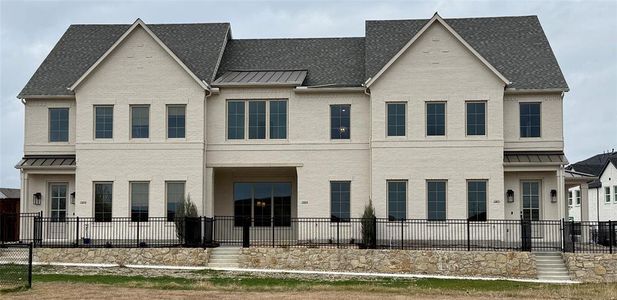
(583, 35)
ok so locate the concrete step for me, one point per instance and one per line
(549, 273)
(223, 260)
(550, 266)
(563, 278)
(222, 265)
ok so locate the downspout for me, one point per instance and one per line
(598, 204)
(370, 145)
(204, 182)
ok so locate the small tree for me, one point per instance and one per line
(368, 225)
(185, 209)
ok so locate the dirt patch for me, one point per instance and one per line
(93, 291)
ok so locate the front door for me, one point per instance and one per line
(58, 194)
(531, 205)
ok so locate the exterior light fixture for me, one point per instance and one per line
(36, 199)
(510, 196)
(553, 196)
(73, 198)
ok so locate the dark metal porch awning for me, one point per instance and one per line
(261, 78)
(46, 161)
(534, 157)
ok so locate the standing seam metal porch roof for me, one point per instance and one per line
(240, 78)
(46, 161)
(516, 46)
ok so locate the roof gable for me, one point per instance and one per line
(435, 19)
(138, 24)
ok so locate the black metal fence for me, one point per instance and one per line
(374, 233)
(15, 266)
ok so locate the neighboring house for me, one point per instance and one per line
(430, 119)
(596, 200)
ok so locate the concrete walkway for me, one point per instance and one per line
(354, 274)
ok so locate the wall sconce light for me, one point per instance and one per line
(73, 198)
(510, 196)
(553, 196)
(36, 199)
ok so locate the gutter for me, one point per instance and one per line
(534, 91)
(306, 90)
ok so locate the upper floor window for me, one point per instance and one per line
(435, 118)
(139, 201)
(257, 124)
(607, 194)
(235, 120)
(176, 121)
(436, 199)
(397, 200)
(530, 119)
(340, 119)
(103, 122)
(278, 119)
(396, 119)
(103, 193)
(578, 197)
(257, 120)
(476, 200)
(140, 121)
(340, 200)
(58, 124)
(476, 118)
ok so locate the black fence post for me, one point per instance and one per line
(402, 234)
(30, 265)
(338, 222)
(246, 237)
(611, 235)
(468, 236)
(77, 231)
(2, 229)
(374, 239)
(272, 232)
(137, 232)
(34, 226)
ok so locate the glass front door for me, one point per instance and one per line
(58, 193)
(266, 203)
(531, 200)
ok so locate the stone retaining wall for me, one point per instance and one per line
(124, 256)
(591, 267)
(459, 263)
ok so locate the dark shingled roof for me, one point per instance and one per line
(329, 61)
(9, 193)
(515, 46)
(595, 165)
(198, 46)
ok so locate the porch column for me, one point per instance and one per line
(584, 202)
(209, 195)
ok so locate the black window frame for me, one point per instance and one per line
(107, 121)
(394, 205)
(58, 128)
(396, 129)
(430, 214)
(143, 132)
(474, 213)
(179, 130)
(338, 120)
(106, 214)
(436, 130)
(526, 123)
(472, 126)
(339, 189)
(138, 213)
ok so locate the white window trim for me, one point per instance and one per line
(94, 107)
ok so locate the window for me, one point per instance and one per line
(175, 198)
(340, 118)
(607, 194)
(435, 118)
(139, 201)
(436, 200)
(58, 124)
(615, 192)
(278, 119)
(340, 200)
(58, 202)
(570, 198)
(476, 118)
(578, 197)
(257, 120)
(396, 119)
(104, 121)
(102, 201)
(176, 121)
(140, 122)
(262, 202)
(397, 200)
(530, 119)
(476, 200)
(235, 120)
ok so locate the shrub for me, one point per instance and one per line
(368, 225)
(186, 209)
